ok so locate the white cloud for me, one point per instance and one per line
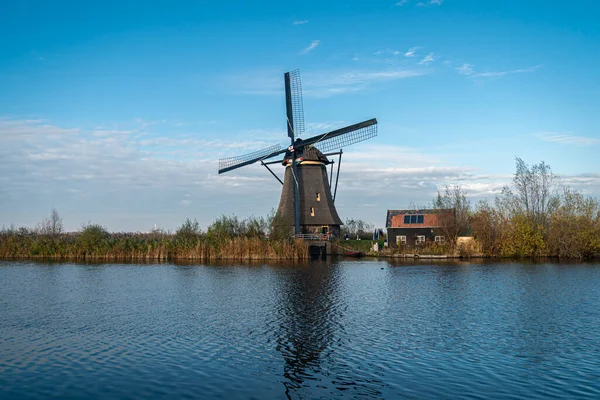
(466, 69)
(394, 53)
(469, 70)
(323, 83)
(121, 181)
(302, 22)
(111, 132)
(411, 52)
(567, 138)
(328, 83)
(127, 182)
(430, 3)
(429, 58)
(311, 47)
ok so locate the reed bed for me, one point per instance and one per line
(226, 239)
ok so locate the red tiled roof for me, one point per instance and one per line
(431, 218)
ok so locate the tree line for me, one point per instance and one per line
(535, 216)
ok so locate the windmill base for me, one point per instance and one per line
(319, 249)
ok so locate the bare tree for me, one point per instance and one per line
(534, 194)
(487, 228)
(56, 224)
(455, 221)
(52, 225)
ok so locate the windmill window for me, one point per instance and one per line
(420, 239)
(401, 239)
(440, 239)
(318, 196)
(312, 211)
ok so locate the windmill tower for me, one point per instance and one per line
(307, 204)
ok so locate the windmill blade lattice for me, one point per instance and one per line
(227, 164)
(344, 137)
(297, 104)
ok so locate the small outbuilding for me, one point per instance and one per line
(416, 227)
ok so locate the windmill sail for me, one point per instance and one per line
(297, 104)
(335, 140)
(227, 164)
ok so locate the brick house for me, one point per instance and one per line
(416, 227)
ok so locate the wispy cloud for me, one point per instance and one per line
(324, 83)
(395, 56)
(427, 3)
(333, 82)
(311, 47)
(466, 69)
(429, 58)
(469, 70)
(302, 22)
(390, 52)
(567, 138)
(411, 52)
(430, 3)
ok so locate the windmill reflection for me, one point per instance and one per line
(308, 318)
(311, 335)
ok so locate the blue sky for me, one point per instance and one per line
(117, 111)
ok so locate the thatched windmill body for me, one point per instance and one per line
(307, 204)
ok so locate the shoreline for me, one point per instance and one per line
(253, 259)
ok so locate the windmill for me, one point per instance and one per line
(306, 203)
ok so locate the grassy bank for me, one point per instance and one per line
(228, 238)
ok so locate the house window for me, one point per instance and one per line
(420, 239)
(312, 211)
(318, 196)
(401, 240)
(414, 219)
(440, 239)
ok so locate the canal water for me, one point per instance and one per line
(364, 329)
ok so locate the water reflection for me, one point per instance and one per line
(311, 335)
(308, 316)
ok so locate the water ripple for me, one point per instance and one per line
(327, 330)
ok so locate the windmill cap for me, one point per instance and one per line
(307, 154)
